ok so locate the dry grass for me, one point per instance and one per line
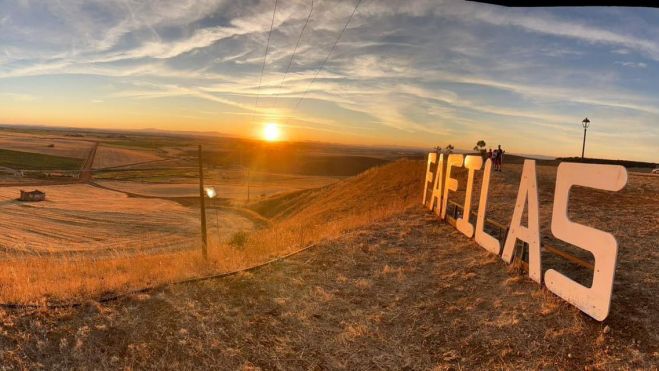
(335, 209)
(403, 292)
(309, 312)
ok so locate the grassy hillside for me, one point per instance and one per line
(294, 162)
(392, 186)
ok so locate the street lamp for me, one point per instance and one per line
(585, 123)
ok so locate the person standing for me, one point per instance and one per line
(498, 158)
(489, 154)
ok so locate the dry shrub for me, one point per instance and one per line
(353, 331)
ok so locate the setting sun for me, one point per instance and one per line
(271, 132)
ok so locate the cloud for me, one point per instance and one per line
(18, 97)
(414, 69)
(575, 30)
(631, 64)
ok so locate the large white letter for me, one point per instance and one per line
(436, 197)
(596, 300)
(486, 241)
(451, 184)
(528, 189)
(432, 158)
(472, 163)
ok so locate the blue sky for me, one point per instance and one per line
(414, 73)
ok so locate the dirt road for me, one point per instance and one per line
(86, 170)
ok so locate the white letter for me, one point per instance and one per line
(528, 189)
(486, 241)
(596, 300)
(436, 197)
(450, 184)
(472, 163)
(432, 158)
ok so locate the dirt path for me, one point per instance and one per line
(86, 170)
(406, 293)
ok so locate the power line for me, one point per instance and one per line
(265, 56)
(328, 56)
(297, 44)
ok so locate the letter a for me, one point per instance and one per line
(528, 190)
(595, 300)
(486, 241)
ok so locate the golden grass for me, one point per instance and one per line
(371, 196)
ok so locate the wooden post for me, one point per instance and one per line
(217, 223)
(204, 237)
(248, 185)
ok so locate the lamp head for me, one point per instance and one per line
(585, 123)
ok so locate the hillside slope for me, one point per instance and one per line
(404, 293)
(393, 186)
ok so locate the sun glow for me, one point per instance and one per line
(271, 132)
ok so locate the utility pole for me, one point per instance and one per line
(204, 237)
(585, 123)
(248, 184)
(217, 223)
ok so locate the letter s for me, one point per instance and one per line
(596, 300)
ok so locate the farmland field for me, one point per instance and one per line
(86, 219)
(37, 161)
(113, 156)
(52, 145)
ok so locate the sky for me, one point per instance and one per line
(415, 73)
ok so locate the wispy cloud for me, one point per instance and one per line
(631, 64)
(18, 97)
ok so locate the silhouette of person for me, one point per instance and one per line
(498, 158)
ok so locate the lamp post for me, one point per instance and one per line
(585, 123)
